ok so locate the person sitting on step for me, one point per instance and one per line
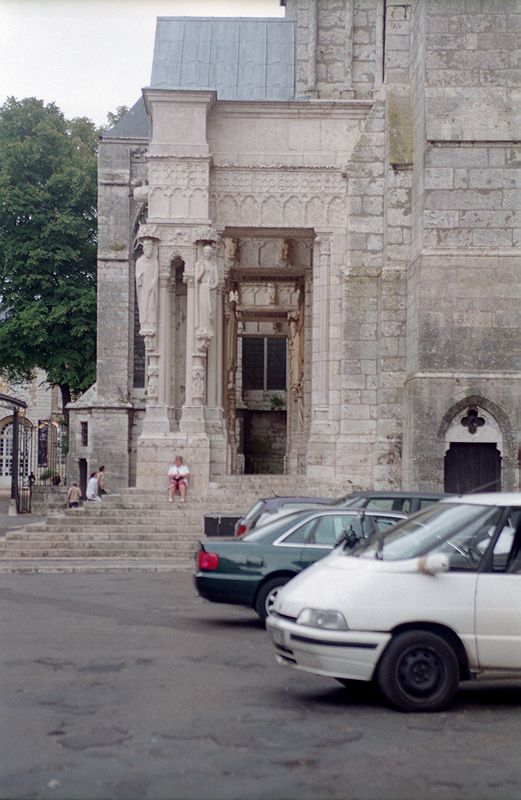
(178, 475)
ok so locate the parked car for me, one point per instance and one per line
(408, 502)
(267, 508)
(434, 602)
(250, 570)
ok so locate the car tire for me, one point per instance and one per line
(266, 595)
(418, 671)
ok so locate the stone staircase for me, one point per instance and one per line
(142, 525)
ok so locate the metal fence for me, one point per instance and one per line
(36, 453)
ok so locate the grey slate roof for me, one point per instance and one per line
(134, 125)
(239, 58)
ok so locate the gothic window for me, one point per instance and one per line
(264, 363)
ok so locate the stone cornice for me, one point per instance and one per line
(186, 97)
(355, 109)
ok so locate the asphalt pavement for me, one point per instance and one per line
(19, 521)
(130, 686)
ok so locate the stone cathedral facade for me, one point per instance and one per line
(310, 251)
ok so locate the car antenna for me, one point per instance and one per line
(479, 488)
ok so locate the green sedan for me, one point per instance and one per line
(249, 571)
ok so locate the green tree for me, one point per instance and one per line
(114, 117)
(47, 245)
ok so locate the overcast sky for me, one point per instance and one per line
(90, 56)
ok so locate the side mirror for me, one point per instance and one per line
(433, 563)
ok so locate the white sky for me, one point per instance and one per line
(90, 56)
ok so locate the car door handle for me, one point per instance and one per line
(254, 562)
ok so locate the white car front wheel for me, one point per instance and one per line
(418, 671)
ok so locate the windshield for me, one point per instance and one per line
(445, 528)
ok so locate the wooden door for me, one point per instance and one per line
(472, 467)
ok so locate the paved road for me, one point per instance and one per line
(130, 686)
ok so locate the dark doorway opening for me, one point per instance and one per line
(472, 467)
(82, 464)
(264, 441)
(264, 385)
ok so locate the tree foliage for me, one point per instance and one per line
(47, 244)
(114, 117)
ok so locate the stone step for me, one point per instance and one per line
(108, 544)
(140, 519)
(167, 512)
(137, 524)
(95, 534)
(115, 552)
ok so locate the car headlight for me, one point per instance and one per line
(321, 618)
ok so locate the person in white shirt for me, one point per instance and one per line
(178, 475)
(92, 488)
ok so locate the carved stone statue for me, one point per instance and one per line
(207, 279)
(152, 381)
(198, 380)
(295, 351)
(147, 270)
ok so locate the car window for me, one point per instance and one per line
(388, 504)
(443, 527)
(296, 504)
(262, 519)
(275, 527)
(331, 528)
(507, 548)
(425, 502)
(384, 523)
(466, 547)
(303, 534)
(325, 531)
(254, 511)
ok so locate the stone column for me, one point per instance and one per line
(321, 291)
(201, 343)
(190, 331)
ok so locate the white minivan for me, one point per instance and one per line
(435, 601)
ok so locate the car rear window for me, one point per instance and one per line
(254, 511)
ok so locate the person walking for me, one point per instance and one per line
(92, 489)
(178, 475)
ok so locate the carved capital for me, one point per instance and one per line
(205, 235)
(202, 341)
(147, 231)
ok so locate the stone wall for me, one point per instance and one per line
(339, 47)
(464, 305)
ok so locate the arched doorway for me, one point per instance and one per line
(473, 453)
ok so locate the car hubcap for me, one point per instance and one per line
(420, 672)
